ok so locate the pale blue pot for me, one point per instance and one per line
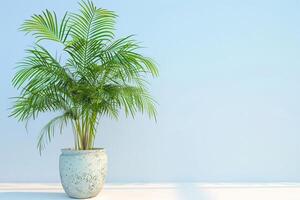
(82, 172)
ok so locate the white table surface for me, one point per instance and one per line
(171, 191)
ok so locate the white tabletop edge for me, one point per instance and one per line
(57, 186)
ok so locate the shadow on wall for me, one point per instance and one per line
(33, 196)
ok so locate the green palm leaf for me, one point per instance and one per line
(93, 23)
(48, 131)
(46, 27)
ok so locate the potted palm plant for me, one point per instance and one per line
(95, 75)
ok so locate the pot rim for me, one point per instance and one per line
(73, 151)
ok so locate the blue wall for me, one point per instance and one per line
(228, 93)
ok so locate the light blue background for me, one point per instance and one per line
(228, 93)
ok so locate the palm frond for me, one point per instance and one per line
(30, 105)
(46, 27)
(90, 30)
(132, 98)
(43, 81)
(39, 69)
(122, 61)
(48, 131)
(93, 23)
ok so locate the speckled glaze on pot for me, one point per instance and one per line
(82, 172)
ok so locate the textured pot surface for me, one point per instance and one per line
(82, 172)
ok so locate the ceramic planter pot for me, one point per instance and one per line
(82, 172)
